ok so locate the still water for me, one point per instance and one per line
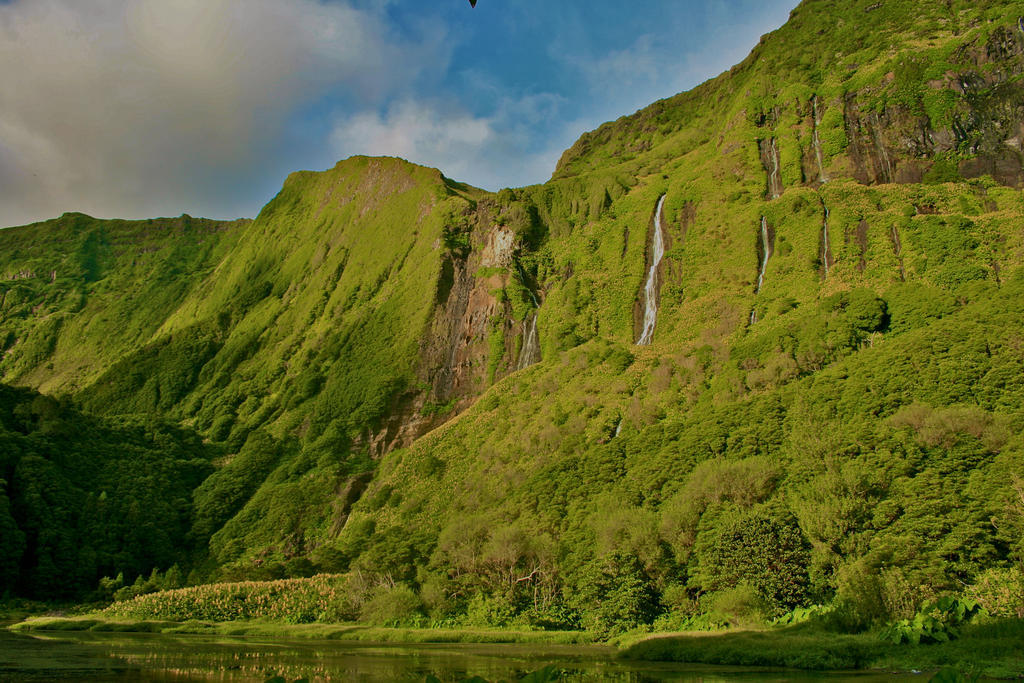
(147, 657)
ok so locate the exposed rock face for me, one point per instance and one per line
(456, 362)
(897, 144)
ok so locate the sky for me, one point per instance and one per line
(144, 108)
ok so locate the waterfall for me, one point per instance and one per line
(525, 283)
(826, 249)
(618, 428)
(529, 354)
(765, 255)
(774, 182)
(817, 143)
(651, 286)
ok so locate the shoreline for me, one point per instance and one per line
(991, 650)
(314, 631)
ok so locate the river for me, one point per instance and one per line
(87, 656)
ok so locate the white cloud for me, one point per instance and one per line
(487, 151)
(133, 107)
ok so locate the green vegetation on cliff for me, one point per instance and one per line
(845, 433)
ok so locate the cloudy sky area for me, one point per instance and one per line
(140, 108)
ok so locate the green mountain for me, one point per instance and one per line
(440, 387)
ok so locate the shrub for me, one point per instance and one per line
(1000, 592)
(938, 622)
(391, 606)
(740, 606)
(759, 550)
(613, 595)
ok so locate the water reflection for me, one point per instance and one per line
(146, 657)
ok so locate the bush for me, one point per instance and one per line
(741, 606)
(756, 549)
(859, 602)
(614, 596)
(938, 622)
(1000, 592)
(387, 605)
(489, 610)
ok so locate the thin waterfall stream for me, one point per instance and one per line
(817, 142)
(530, 353)
(826, 249)
(651, 286)
(766, 254)
(774, 180)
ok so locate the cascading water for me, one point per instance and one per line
(530, 353)
(774, 181)
(817, 142)
(826, 249)
(882, 152)
(766, 254)
(651, 286)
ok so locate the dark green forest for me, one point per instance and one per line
(86, 497)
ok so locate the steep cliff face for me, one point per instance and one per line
(482, 318)
(919, 124)
(875, 96)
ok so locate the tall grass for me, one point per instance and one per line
(322, 598)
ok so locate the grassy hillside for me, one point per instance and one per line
(884, 479)
(857, 445)
(845, 433)
(78, 293)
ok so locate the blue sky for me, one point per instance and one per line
(136, 108)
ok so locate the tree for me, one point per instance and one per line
(12, 544)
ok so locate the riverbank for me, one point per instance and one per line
(991, 649)
(344, 632)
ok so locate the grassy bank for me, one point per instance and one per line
(990, 649)
(345, 632)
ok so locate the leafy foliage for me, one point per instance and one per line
(937, 622)
(86, 498)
